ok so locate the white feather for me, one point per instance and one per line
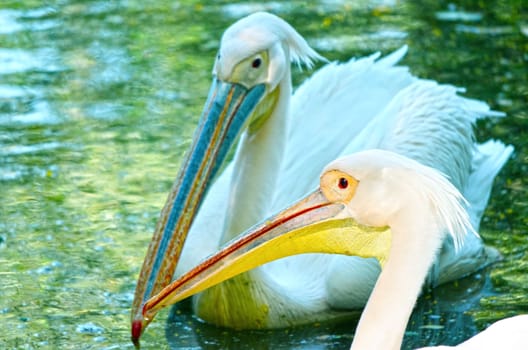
(343, 108)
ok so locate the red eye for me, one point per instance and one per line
(343, 183)
(256, 63)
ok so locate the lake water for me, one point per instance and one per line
(99, 100)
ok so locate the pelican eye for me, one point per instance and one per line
(338, 186)
(251, 71)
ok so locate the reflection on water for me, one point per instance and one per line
(17, 61)
(98, 101)
(12, 21)
(440, 318)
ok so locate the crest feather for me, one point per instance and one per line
(269, 28)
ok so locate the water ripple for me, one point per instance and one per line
(8, 22)
(14, 150)
(11, 91)
(19, 60)
(40, 112)
(12, 21)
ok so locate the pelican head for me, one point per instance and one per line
(250, 75)
(255, 54)
(367, 204)
(258, 49)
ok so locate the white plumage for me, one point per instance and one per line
(343, 108)
(377, 189)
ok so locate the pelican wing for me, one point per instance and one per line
(425, 121)
(488, 160)
(432, 124)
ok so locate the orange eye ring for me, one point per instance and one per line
(338, 186)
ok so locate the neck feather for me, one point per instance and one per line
(257, 162)
(384, 319)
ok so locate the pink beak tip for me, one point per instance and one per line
(137, 326)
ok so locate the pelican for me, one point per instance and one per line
(373, 204)
(283, 142)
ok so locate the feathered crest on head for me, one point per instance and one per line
(448, 203)
(265, 29)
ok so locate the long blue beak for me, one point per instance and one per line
(225, 115)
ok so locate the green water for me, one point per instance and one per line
(98, 101)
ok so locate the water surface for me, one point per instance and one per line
(98, 102)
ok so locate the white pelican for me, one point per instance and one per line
(373, 203)
(284, 141)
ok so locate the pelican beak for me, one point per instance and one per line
(313, 225)
(226, 113)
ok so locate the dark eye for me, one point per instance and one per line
(343, 183)
(256, 63)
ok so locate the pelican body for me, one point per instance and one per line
(284, 141)
(373, 203)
